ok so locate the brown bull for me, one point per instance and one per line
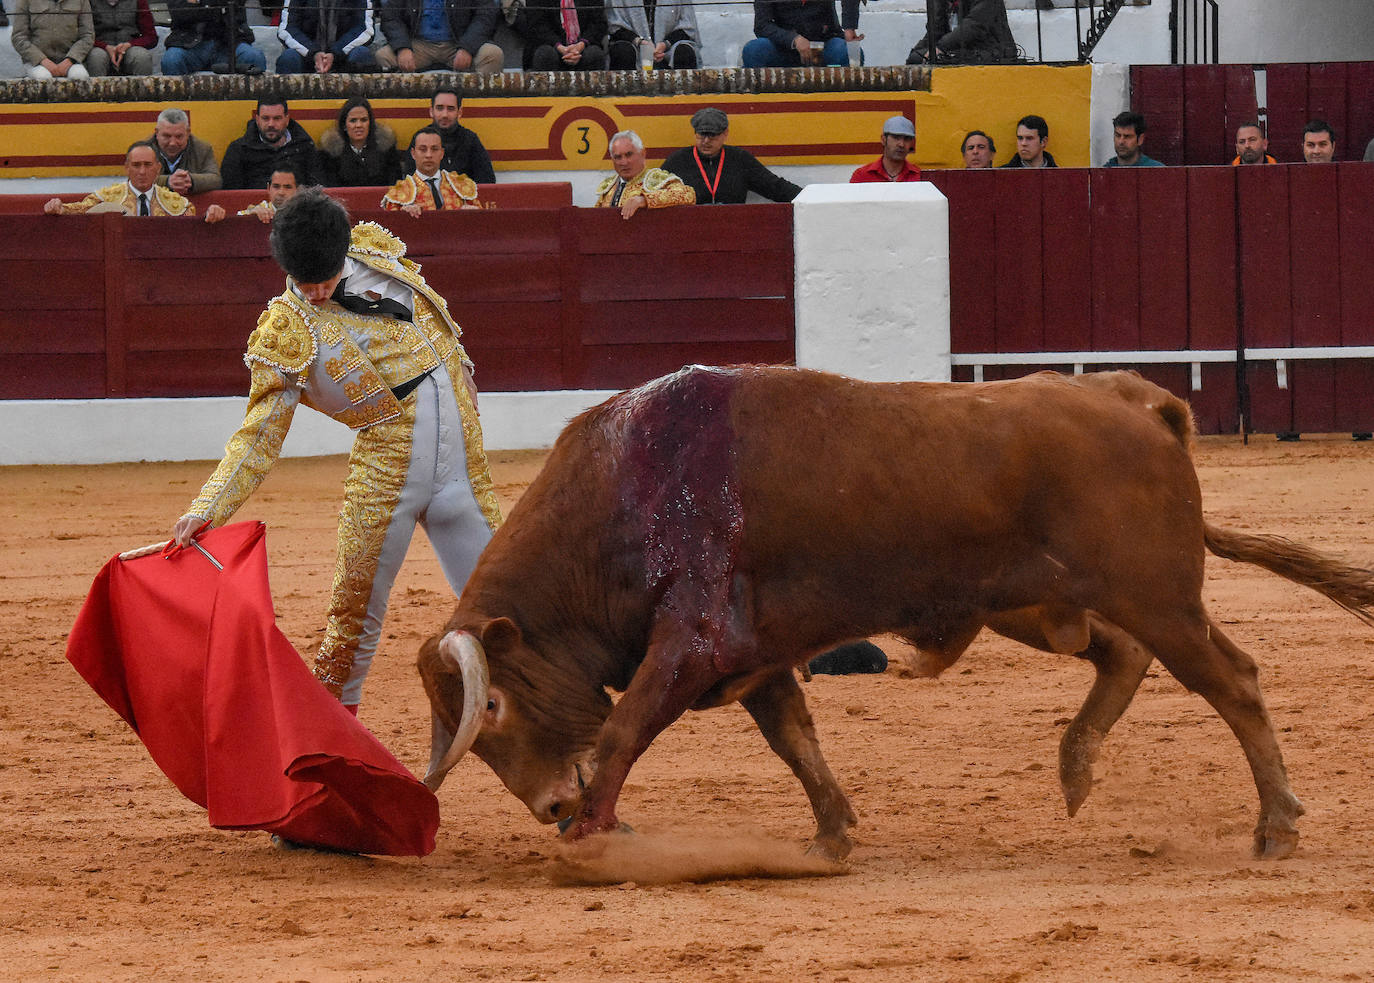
(692, 541)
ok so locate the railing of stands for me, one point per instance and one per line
(1194, 32)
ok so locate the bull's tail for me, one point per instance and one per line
(1349, 586)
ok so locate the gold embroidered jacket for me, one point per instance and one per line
(343, 364)
(162, 201)
(456, 190)
(659, 188)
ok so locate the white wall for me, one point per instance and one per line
(872, 281)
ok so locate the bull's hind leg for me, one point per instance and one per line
(779, 708)
(1211, 665)
(1121, 664)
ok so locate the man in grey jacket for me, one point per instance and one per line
(188, 164)
(53, 37)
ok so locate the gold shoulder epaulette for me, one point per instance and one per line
(112, 192)
(172, 202)
(400, 193)
(372, 239)
(282, 339)
(656, 178)
(605, 185)
(464, 185)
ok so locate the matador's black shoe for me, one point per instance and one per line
(856, 657)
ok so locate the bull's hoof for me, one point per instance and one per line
(1077, 752)
(1275, 844)
(1075, 794)
(834, 848)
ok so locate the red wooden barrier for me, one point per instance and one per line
(1068, 261)
(534, 194)
(548, 298)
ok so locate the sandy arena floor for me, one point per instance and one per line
(966, 867)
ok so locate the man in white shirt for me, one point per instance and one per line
(430, 188)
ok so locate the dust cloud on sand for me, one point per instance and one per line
(668, 856)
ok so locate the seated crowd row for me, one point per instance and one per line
(76, 39)
(446, 161)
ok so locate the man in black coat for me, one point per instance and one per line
(982, 36)
(272, 137)
(722, 175)
(463, 150)
(558, 40)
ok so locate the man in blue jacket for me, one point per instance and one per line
(792, 33)
(451, 34)
(324, 36)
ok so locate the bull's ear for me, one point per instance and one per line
(443, 686)
(500, 635)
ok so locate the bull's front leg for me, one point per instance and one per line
(669, 680)
(779, 708)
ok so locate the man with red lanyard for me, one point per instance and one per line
(722, 175)
(899, 140)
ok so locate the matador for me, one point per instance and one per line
(360, 336)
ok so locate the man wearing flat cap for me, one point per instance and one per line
(899, 140)
(722, 175)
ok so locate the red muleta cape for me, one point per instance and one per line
(191, 657)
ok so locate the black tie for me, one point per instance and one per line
(433, 183)
(381, 307)
(619, 190)
(143, 203)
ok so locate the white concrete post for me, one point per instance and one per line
(872, 281)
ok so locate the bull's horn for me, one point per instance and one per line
(462, 652)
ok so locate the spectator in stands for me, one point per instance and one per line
(669, 27)
(53, 37)
(981, 36)
(455, 35)
(1318, 142)
(721, 175)
(563, 35)
(358, 152)
(797, 32)
(324, 36)
(463, 151)
(1252, 145)
(978, 150)
(125, 37)
(271, 138)
(430, 188)
(200, 39)
(138, 194)
(281, 188)
(1032, 137)
(899, 140)
(1128, 133)
(633, 186)
(188, 162)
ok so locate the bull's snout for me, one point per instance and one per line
(560, 801)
